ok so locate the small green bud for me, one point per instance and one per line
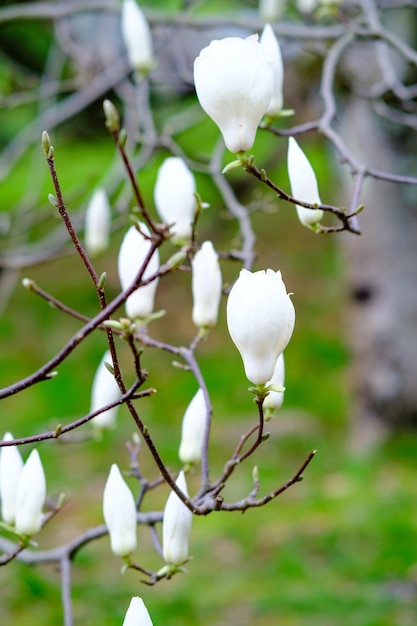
(109, 367)
(102, 280)
(122, 137)
(112, 116)
(45, 142)
(232, 166)
(53, 200)
(177, 259)
(29, 284)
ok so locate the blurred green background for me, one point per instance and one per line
(338, 548)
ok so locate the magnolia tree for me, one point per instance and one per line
(239, 83)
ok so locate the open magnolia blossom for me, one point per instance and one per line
(105, 390)
(137, 614)
(132, 255)
(260, 319)
(206, 286)
(272, 52)
(303, 184)
(193, 429)
(30, 496)
(137, 37)
(176, 526)
(234, 82)
(11, 465)
(275, 399)
(119, 512)
(97, 223)
(174, 197)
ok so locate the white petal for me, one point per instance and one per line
(97, 223)
(132, 255)
(303, 183)
(234, 84)
(104, 391)
(260, 319)
(176, 526)
(174, 197)
(11, 465)
(137, 36)
(193, 429)
(119, 512)
(30, 496)
(206, 286)
(137, 614)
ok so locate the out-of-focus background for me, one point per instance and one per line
(338, 548)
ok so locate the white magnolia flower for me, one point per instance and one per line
(272, 52)
(97, 223)
(137, 614)
(132, 255)
(260, 318)
(206, 286)
(176, 526)
(274, 399)
(11, 465)
(303, 184)
(193, 429)
(137, 37)
(104, 391)
(119, 512)
(30, 496)
(234, 82)
(174, 197)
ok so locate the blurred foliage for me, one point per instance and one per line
(339, 548)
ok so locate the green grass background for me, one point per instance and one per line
(338, 549)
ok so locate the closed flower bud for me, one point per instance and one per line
(176, 526)
(272, 52)
(234, 82)
(11, 465)
(274, 399)
(193, 429)
(97, 223)
(206, 286)
(132, 255)
(105, 390)
(303, 184)
(260, 319)
(137, 614)
(30, 496)
(174, 197)
(119, 512)
(137, 37)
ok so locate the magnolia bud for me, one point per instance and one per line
(274, 399)
(11, 465)
(137, 614)
(260, 319)
(97, 223)
(132, 254)
(303, 184)
(105, 390)
(30, 496)
(119, 512)
(193, 429)
(137, 37)
(206, 286)
(174, 197)
(272, 52)
(234, 82)
(176, 526)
